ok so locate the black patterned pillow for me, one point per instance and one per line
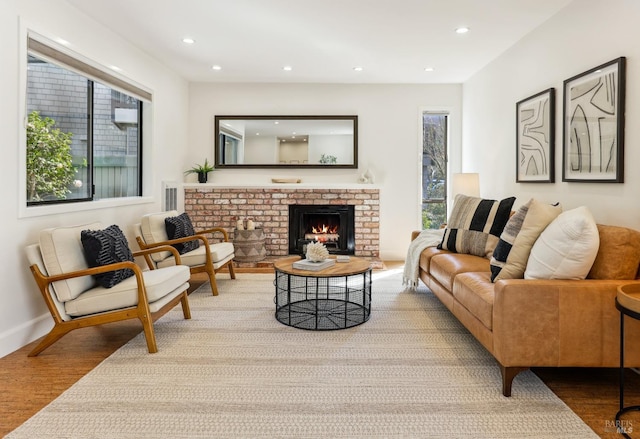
(507, 240)
(180, 227)
(475, 225)
(104, 247)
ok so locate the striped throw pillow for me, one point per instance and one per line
(507, 239)
(475, 225)
(510, 257)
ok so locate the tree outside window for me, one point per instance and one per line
(50, 170)
(434, 170)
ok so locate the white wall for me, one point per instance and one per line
(585, 34)
(389, 138)
(338, 145)
(262, 149)
(23, 315)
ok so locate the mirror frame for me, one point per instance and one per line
(219, 165)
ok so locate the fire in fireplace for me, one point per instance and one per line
(322, 228)
(332, 225)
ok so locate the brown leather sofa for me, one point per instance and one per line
(527, 323)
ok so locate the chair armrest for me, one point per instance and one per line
(215, 230)
(90, 271)
(44, 281)
(158, 248)
(171, 242)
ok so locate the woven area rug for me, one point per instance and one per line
(233, 371)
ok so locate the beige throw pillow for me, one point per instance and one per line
(538, 216)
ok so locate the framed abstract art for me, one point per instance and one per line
(535, 125)
(593, 115)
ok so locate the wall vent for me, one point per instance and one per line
(169, 195)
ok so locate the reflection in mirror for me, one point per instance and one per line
(286, 141)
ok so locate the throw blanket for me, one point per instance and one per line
(426, 238)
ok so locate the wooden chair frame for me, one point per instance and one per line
(141, 311)
(207, 267)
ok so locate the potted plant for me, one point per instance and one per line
(202, 171)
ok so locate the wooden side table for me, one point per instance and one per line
(628, 303)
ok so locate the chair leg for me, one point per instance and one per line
(232, 272)
(56, 333)
(186, 311)
(149, 333)
(214, 284)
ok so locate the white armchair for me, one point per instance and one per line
(75, 300)
(210, 257)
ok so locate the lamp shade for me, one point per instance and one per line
(465, 184)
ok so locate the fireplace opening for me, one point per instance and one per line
(332, 225)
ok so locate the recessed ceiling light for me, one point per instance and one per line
(287, 68)
(188, 40)
(428, 69)
(62, 41)
(462, 30)
(358, 68)
(115, 68)
(216, 67)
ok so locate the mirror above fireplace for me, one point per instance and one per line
(286, 141)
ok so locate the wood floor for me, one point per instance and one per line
(29, 384)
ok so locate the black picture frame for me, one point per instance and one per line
(535, 138)
(593, 131)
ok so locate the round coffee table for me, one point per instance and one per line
(337, 297)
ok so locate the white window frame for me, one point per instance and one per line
(24, 211)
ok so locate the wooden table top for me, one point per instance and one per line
(354, 266)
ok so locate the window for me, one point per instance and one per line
(434, 169)
(229, 147)
(84, 136)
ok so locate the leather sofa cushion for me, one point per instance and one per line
(618, 255)
(445, 267)
(427, 254)
(474, 291)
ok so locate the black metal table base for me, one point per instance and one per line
(624, 426)
(323, 303)
(322, 314)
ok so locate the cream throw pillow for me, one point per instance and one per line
(538, 216)
(566, 249)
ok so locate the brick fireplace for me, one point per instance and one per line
(210, 206)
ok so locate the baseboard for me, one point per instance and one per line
(15, 338)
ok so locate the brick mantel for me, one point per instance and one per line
(269, 207)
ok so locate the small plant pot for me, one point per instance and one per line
(202, 177)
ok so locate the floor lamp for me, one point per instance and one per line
(467, 183)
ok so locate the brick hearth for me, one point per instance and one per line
(269, 208)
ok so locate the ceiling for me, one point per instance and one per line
(393, 41)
